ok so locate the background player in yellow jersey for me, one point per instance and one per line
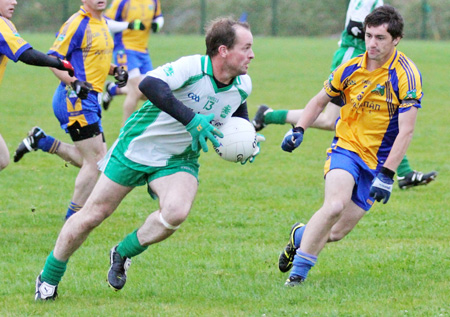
(85, 41)
(13, 47)
(131, 48)
(380, 95)
(351, 44)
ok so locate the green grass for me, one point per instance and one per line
(223, 260)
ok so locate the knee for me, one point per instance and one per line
(4, 162)
(333, 210)
(90, 219)
(174, 213)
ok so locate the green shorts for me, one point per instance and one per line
(125, 172)
(344, 54)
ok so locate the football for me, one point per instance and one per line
(238, 142)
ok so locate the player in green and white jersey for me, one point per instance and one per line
(159, 146)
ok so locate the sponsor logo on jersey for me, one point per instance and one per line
(194, 96)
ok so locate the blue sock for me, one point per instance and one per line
(298, 235)
(73, 208)
(49, 144)
(303, 262)
(112, 89)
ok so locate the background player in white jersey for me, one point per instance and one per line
(351, 44)
(159, 147)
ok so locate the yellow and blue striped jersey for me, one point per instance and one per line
(11, 44)
(371, 103)
(87, 44)
(129, 10)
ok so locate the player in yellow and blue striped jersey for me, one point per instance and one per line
(131, 47)
(84, 40)
(351, 44)
(380, 93)
(15, 48)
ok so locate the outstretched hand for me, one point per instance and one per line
(259, 138)
(292, 139)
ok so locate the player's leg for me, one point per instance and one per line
(176, 193)
(338, 192)
(348, 220)
(4, 154)
(91, 145)
(104, 199)
(133, 95)
(265, 115)
(37, 139)
(407, 177)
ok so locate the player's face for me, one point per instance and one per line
(379, 43)
(7, 8)
(241, 54)
(95, 5)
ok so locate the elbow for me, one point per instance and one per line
(143, 85)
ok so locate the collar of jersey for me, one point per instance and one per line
(388, 65)
(208, 69)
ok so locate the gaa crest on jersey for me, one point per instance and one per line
(225, 111)
(168, 70)
(411, 94)
(379, 90)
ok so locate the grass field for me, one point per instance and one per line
(223, 260)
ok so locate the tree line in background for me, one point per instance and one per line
(426, 19)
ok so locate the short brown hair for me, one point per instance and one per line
(221, 31)
(389, 15)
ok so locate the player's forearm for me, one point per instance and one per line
(406, 130)
(37, 58)
(63, 76)
(313, 109)
(160, 94)
(116, 26)
(398, 151)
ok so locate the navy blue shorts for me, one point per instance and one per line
(133, 59)
(339, 158)
(69, 109)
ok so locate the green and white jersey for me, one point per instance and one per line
(357, 11)
(152, 137)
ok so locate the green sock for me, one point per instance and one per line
(276, 116)
(403, 169)
(53, 270)
(130, 246)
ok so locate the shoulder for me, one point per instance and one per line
(191, 63)
(349, 67)
(6, 25)
(406, 63)
(244, 82)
